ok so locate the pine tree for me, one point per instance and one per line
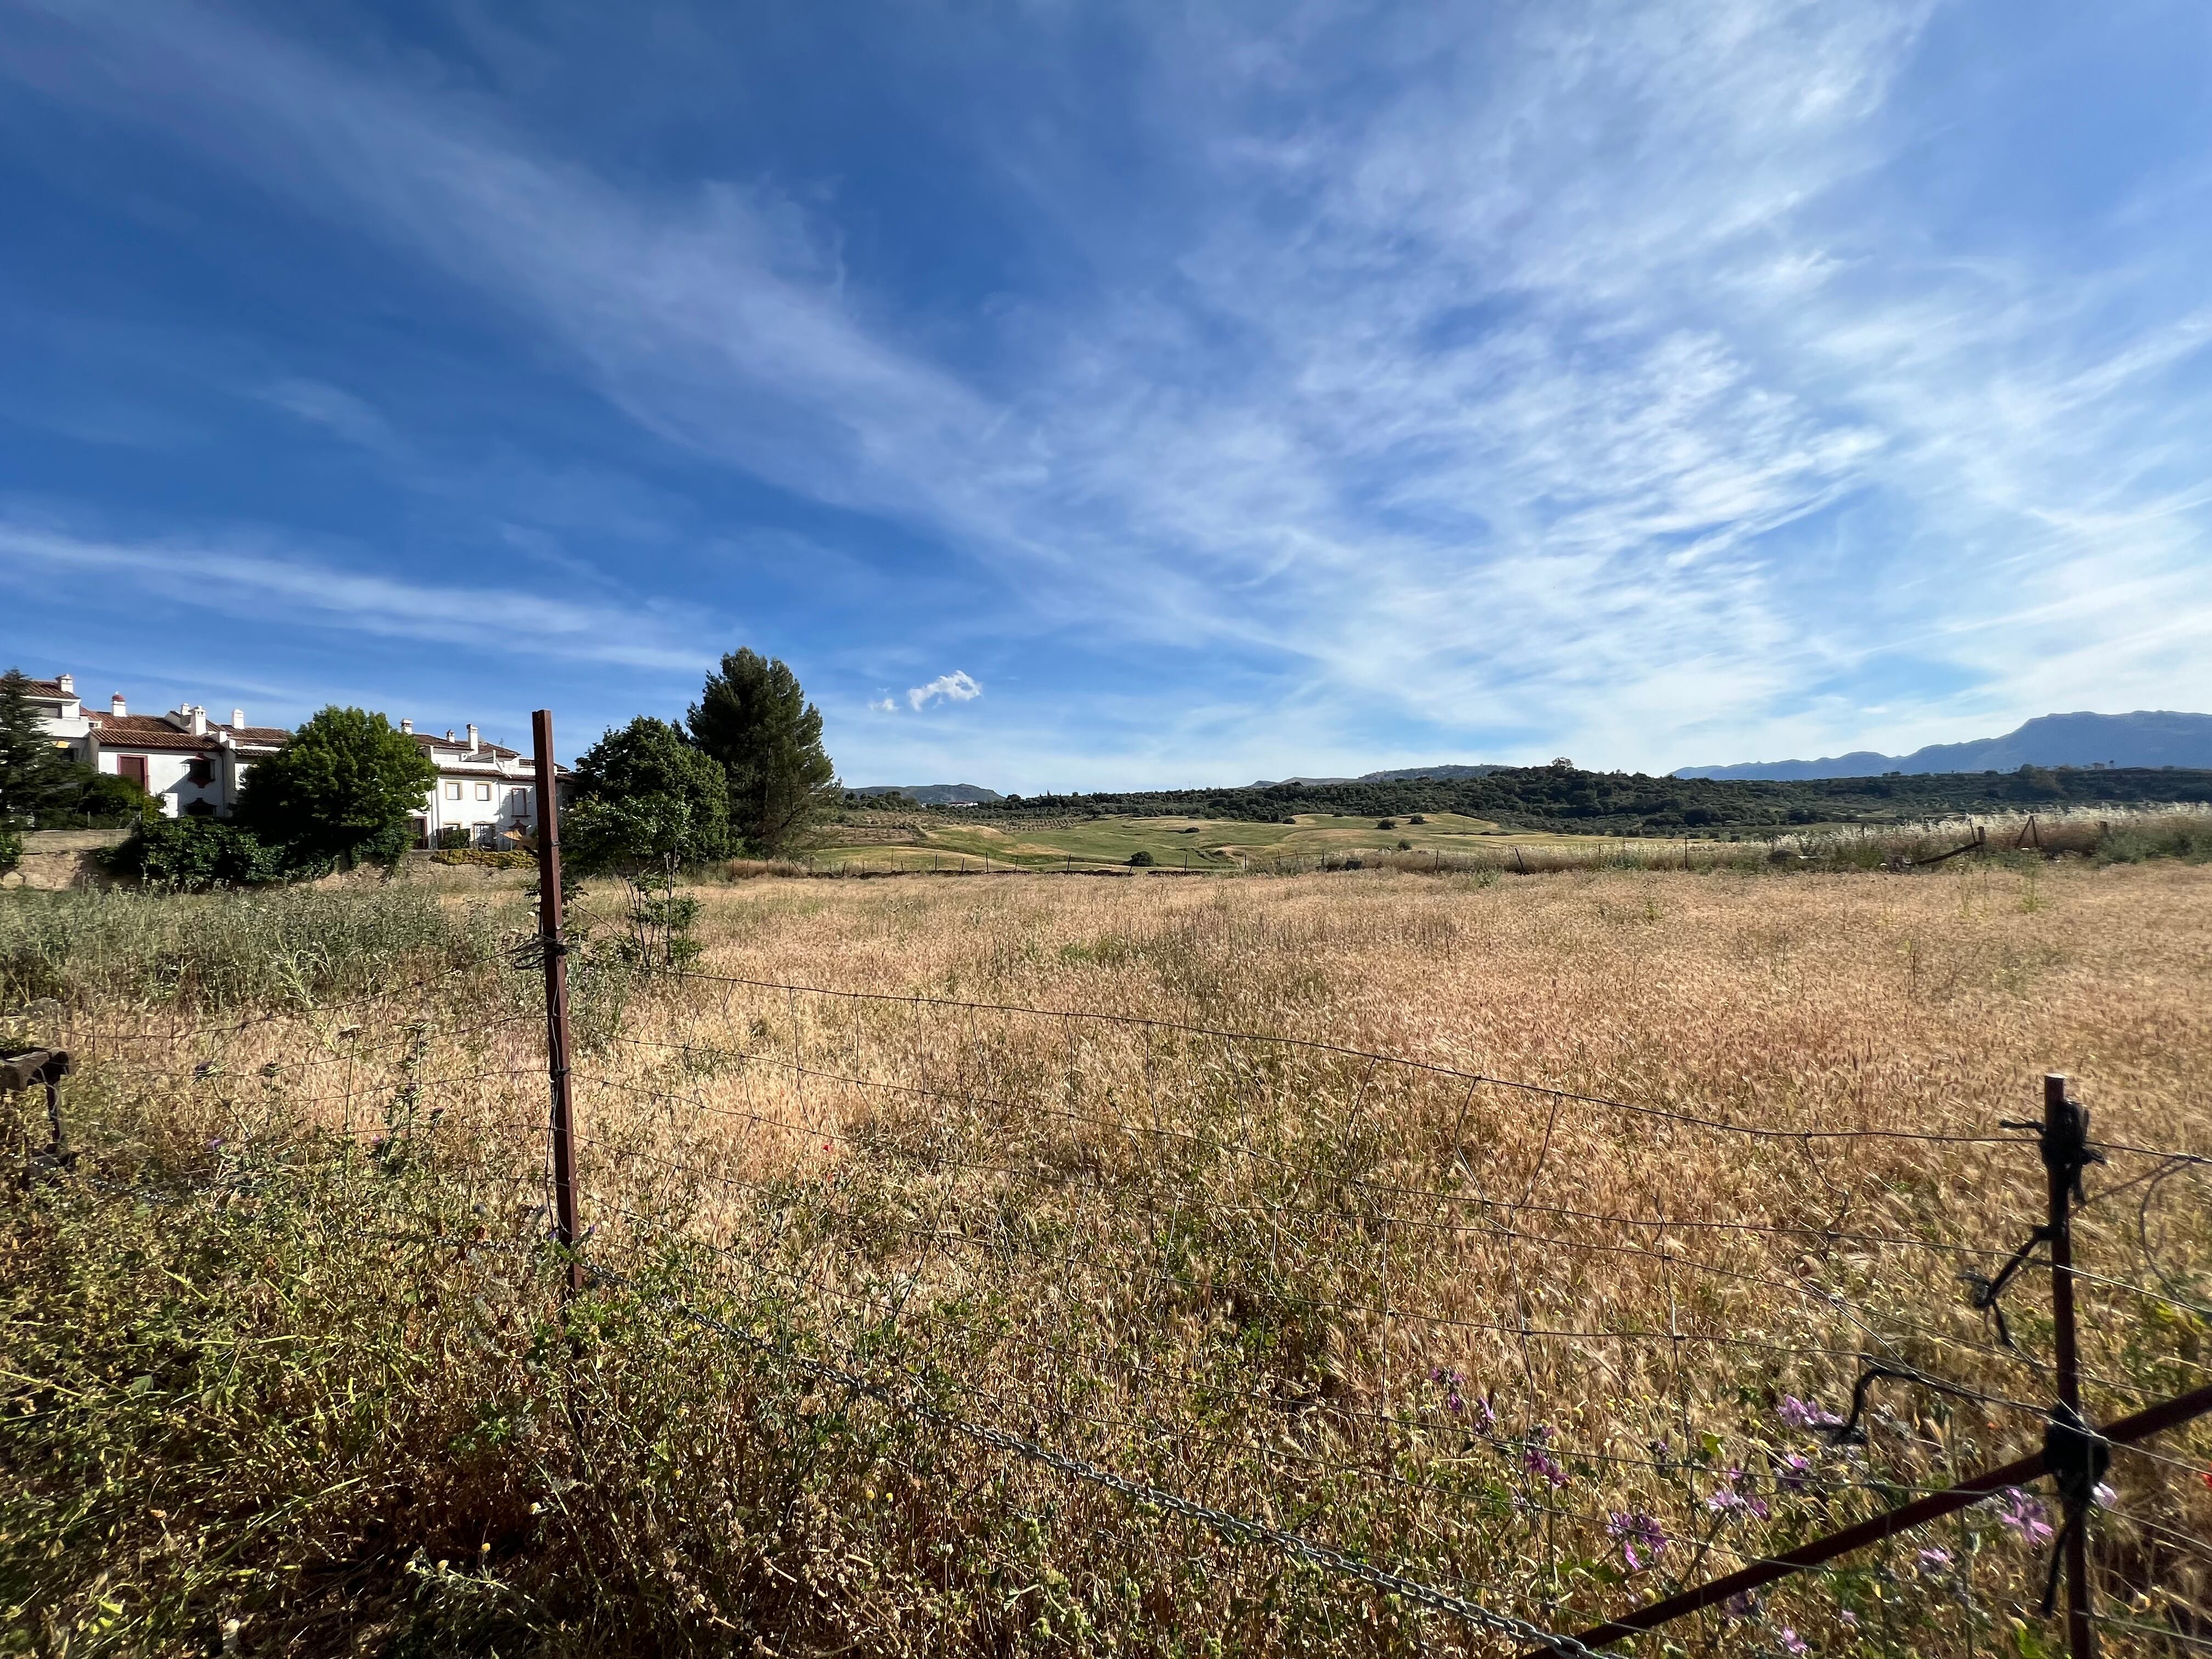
(35, 776)
(753, 718)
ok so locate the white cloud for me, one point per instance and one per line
(955, 687)
(267, 579)
(1492, 399)
(884, 705)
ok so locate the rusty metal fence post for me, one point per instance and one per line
(553, 949)
(2065, 1146)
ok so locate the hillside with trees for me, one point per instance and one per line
(1565, 799)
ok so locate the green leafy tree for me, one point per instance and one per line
(35, 776)
(675, 799)
(753, 718)
(341, 792)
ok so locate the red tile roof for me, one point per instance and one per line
(427, 743)
(45, 689)
(152, 731)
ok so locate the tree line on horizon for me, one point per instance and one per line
(1566, 799)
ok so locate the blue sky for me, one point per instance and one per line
(1087, 395)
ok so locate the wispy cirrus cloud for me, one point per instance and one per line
(261, 577)
(1591, 377)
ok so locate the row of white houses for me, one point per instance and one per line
(194, 766)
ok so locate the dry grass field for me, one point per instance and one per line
(1543, 1346)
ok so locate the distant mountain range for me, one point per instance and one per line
(935, 795)
(1397, 776)
(2146, 737)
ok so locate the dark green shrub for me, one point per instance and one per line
(108, 802)
(2132, 844)
(1140, 860)
(193, 854)
(11, 848)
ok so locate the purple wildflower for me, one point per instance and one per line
(1742, 1605)
(2025, 1516)
(1450, 1382)
(1805, 1414)
(1636, 1532)
(1791, 1642)
(1795, 1474)
(1538, 1461)
(1485, 1415)
(1933, 1559)
(1730, 1498)
(2105, 1495)
(1847, 1618)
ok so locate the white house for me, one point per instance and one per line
(192, 765)
(195, 766)
(487, 792)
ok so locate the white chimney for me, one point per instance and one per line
(449, 734)
(66, 683)
(408, 727)
(474, 742)
(200, 721)
(237, 717)
(116, 707)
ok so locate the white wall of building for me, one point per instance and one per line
(486, 792)
(180, 781)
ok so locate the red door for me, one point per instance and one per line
(133, 767)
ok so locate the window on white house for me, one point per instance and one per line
(484, 791)
(452, 792)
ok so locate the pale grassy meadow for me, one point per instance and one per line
(1548, 1352)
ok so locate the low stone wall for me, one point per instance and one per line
(55, 858)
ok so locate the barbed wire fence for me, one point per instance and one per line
(1351, 1307)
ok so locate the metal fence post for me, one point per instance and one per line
(554, 950)
(2061, 1130)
